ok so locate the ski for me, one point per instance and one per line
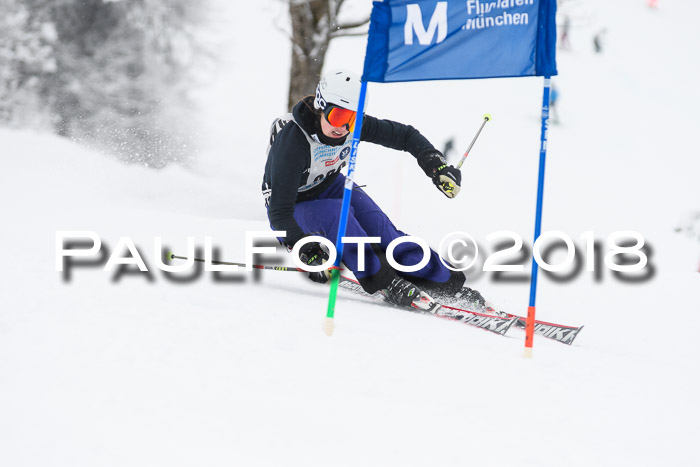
(500, 322)
(494, 323)
(558, 332)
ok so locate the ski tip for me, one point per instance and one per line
(578, 330)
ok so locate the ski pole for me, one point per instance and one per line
(254, 266)
(487, 117)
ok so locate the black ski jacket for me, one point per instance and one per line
(289, 159)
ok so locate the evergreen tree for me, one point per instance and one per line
(110, 73)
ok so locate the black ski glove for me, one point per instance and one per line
(445, 177)
(312, 254)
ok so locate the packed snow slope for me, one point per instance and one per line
(151, 369)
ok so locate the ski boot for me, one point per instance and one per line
(407, 295)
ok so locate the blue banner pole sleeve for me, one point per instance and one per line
(546, 45)
(377, 43)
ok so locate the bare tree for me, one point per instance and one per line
(314, 24)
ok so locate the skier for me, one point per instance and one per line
(303, 189)
(564, 38)
(553, 99)
(598, 41)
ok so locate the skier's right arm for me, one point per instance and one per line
(288, 156)
(396, 135)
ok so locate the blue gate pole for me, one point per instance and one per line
(343, 223)
(530, 321)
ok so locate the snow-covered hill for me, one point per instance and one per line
(233, 369)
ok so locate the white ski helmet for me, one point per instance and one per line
(338, 87)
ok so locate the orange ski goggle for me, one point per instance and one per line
(339, 117)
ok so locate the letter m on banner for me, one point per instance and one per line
(414, 24)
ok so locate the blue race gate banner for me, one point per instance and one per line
(414, 40)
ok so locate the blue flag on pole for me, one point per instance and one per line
(414, 40)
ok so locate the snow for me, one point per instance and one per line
(233, 369)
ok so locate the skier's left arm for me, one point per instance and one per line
(402, 137)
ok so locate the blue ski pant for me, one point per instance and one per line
(365, 219)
